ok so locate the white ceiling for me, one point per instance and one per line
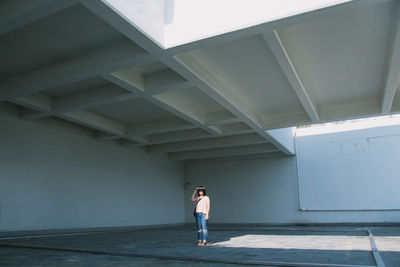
(341, 57)
(177, 22)
(82, 67)
(253, 74)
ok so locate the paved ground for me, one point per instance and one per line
(388, 244)
(227, 247)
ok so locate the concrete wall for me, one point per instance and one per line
(351, 170)
(51, 179)
(267, 190)
(54, 180)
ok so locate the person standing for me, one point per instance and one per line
(202, 213)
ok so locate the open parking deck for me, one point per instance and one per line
(286, 113)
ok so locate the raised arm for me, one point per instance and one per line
(193, 195)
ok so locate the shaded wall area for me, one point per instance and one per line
(54, 180)
(332, 169)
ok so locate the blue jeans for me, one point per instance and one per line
(201, 223)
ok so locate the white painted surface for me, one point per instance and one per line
(50, 179)
(267, 190)
(146, 15)
(352, 170)
(174, 22)
(282, 80)
(283, 138)
(186, 21)
(319, 68)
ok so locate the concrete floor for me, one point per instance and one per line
(228, 246)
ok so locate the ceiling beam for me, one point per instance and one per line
(93, 97)
(158, 126)
(39, 106)
(179, 104)
(100, 123)
(10, 109)
(284, 137)
(220, 117)
(101, 61)
(128, 143)
(15, 14)
(177, 136)
(238, 158)
(357, 111)
(80, 129)
(392, 82)
(113, 17)
(189, 68)
(217, 142)
(210, 84)
(66, 126)
(183, 114)
(285, 120)
(235, 128)
(34, 115)
(81, 100)
(223, 152)
(37, 101)
(102, 136)
(279, 51)
(164, 81)
(92, 120)
(42, 103)
(152, 83)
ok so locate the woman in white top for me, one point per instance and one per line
(201, 212)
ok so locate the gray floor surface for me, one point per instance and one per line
(228, 246)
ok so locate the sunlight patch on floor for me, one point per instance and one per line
(317, 242)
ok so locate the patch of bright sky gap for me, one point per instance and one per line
(349, 125)
(171, 23)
